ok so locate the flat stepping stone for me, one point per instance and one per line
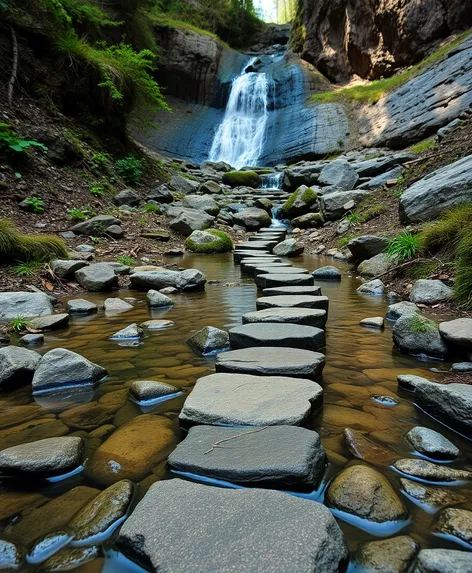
(293, 290)
(221, 529)
(373, 322)
(273, 280)
(259, 261)
(256, 246)
(296, 301)
(274, 334)
(270, 456)
(266, 237)
(250, 268)
(306, 316)
(245, 400)
(264, 230)
(280, 270)
(239, 255)
(272, 361)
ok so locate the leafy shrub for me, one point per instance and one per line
(35, 204)
(19, 323)
(222, 243)
(403, 246)
(126, 260)
(130, 169)
(241, 179)
(97, 190)
(9, 141)
(100, 160)
(17, 247)
(81, 213)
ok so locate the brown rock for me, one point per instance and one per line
(12, 502)
(456, 522)
(18, 414)
(88, 416)
(436, 496)
(364, 449)
(387, 556)
(32, 431)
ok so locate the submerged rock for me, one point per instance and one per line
(32, 339)
(367, 450)
(432, 444)
(435, 496)
(146, 390)
(116, 304)
(156, 324)
(208, 340)
(309, 541)
(17, 366)
(393, 555)
(156, 299)
(373, 322)
(133, 331)
(50, 322)
(429, 471)
(70, 558)
(456, 523)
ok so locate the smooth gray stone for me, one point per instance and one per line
(81, 306)
(145, 390)
(373, 322)
(292, 290)
(459, 366)
(426, 291)
(116, 304)
(275, 334)
(255, 245)
(267, 237)
(186, 220)
(339, 174)
(333, 205)
(398, 309)
(251, 268)
(17, 366)
(25, 304)
(410, 382)
(377, 265)
(295, 301)
(190, 279)
(51, 322)
(306, 316)
(65, 269)
(241, 399)
(32, 339)
(127, 197)
(327, 273)
(273, 280)
(223, 529)
(443, 561)
(288, 248)
(271, 456)
(95, 225)
(269, 230)
(239, 255)
(266, 260)
(129, 332)
(367, 246)
(457, 332)
(51, 456)
(208, 340)
(381, 180)
(431, 443)
(375, 287)
(279, 270)
(271, 361)
(157, 299)
(97, 277)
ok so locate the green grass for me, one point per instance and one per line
(126, 260)
(28, 269)
(81, 213)
(162, 19)
(373, 91)
(151, 208)
(19, 323)
(97, 190)
(422, 270)
(365, 213)
(403, 247)
(420, 324)
(222, 243)
(344, 241)
(422, 146)
(15, 246)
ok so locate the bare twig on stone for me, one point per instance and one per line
(14, 70)
(217, 444)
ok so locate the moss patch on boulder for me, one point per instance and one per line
(242, 179)
(209, 241)
(299, 202)
(17, 247)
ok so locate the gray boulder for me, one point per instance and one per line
(339, 175)
(97, 277)
(61, 368)
(308, 221)
(95, 226)
(398, 309)
(81, 306)
(327, 273)
(116, 304)
(367, 246)
(252, 218)
(154, 279)
(415, 334)
(273, 456)
(410, 382)
(288, 248)
(24, 304)
(210, 187)
(160, 195)
(375, 287)
(115, 231)
(300, 202)
(274, 334)
(131, 332)
(151, 390)
(157, 299)
(189, 220)
(65, 269)
(180, 184)
(43, 458)
(51, 322)
(306, 173)
(383, 179)
(209, 340)
(190, 279)
(431, 443)
(202, 203)
(377, 265)
(127, 197)
(219, 166)
(458, 332)
(426, 291)
(334, 206)
(379, 165)
(443, 561)
(442, 189)
(32, 339)
(17, 366)
(309, 541)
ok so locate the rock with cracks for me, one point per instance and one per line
(208, 340)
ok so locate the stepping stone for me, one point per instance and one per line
(273, 334)
(432, 444)
(296, 301)
(271, 456)
(266, 237)
(250, 268)
(239, 255)
(256, 246)
(305, 316)
(244, 400)
(268, 230)
(258, 261)
(271, 361)
(143, 391)
(231, 530)
(373, 322)
(273, 280)
(280, 270)
(293, 290)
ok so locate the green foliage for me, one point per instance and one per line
(222, 243)
(97, 190)
(353, 218)
(10, 142)
(151, 208)
(100, 160)
(19, 323)
(81, 213)
(241, 179)
(27, 269)
(403, 246)
(95, 240)
(127, 261)
(365, 213)
(17, 247)
(35, 204)
(130, 169)
(422, 270)
(344, 241)
(420, 324)
(422, 146)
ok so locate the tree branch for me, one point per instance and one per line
(217, 444)
(14, 70)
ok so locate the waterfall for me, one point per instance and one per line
(239, 139)
(272, 181)
(276, 216)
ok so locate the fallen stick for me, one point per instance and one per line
(217, 444)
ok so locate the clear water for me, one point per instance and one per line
(360, 364)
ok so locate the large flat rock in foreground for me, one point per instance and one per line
(292, 301)
(271, 361)
(180, 526)
(314, 290)
(270, 456)
(272, 280)
(307, 316)
(241, 399)
(276, 334)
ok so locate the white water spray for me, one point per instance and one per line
(239, 139)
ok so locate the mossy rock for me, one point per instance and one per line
(17, 247)
(299, 202)
(209, 241)
(242, 179)
(308, 221)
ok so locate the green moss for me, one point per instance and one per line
(419, 324)
(424, 145)
(242, 179)
(344, 241)
(222, 243)
(17, 247)
(308, 197)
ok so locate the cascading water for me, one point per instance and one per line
(271, 181)
(239, 139)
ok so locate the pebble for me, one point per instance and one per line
(374, 322)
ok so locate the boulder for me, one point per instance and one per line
(272, 456)
(417, 335)
(51, 322)
(427, 291)
(211, 241)
(309, 541)
(252, 218)
(365, 493)
(398, 309)
(327, 273)
(433, 496)
(150, 390)
(242, 399)
(375, 287)
(190, 279)
(81, 306)
(443, 561)
(274, 334)
(180, 184)
(242, 179)
(288, 248)
(380, 165)
(97, 277)
(43, 458)
(384, 179)
(95, 226)
(202, 203)
(65, 269)
(219, 166)
(115, 232)
(116, 304)
(427, 471)
(210, 187)
(308, 221)
(377, 265)
(24, 304)
(209, 340)
(299, 203)
(333, 206)
(189, 220)
(432, 444)
(160, 194)
(131, 332)
(157, 299)
(263, 203)
(367, 246)
(32, 339)
(457, 332)
(410, 382)
(61, 368)
(393, 555)
(456, 524)
(127, 197)
(305, 316)
(338, 175)
(305, 173)
(450, 404)
(17, 366)
(440, 190)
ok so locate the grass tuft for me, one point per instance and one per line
(24, 248)
(126, 260)
(422, 146)
(28, 269)
(403, 246)
(420, 324)
(19, 323)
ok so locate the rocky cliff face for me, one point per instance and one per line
(372, 38)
